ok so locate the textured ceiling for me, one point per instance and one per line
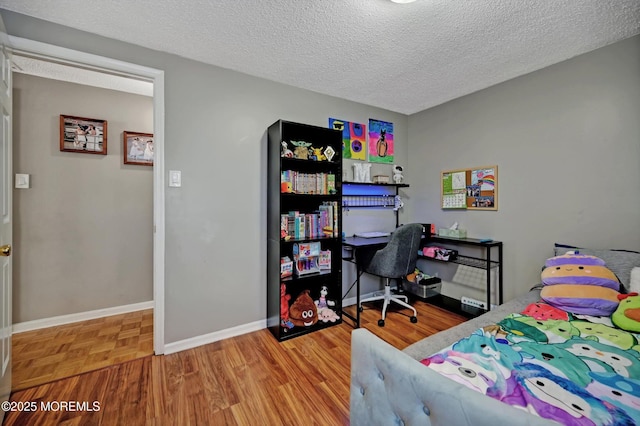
(401, 57)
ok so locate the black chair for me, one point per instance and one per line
(395, 261)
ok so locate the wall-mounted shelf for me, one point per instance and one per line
(365, 195)
(397, 185)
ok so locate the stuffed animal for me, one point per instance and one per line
(627, 316)
(302, 149)
(286, 152)
(322, 301)
(327, 315)
(580, 284)
(317, 154)
(303, 312)
(284, 307)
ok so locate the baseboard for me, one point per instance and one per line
(350, 301)
(205, 339)
(21, 327)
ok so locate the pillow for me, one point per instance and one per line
(581, 299)
(578, 269)
(627, 316)
(621, 262)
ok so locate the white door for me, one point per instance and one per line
(6, 184)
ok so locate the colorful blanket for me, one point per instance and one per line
(574, 369)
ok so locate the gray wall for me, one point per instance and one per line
(83, 231)
(566, 140)
(215, 132)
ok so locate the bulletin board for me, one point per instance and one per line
(470, 189)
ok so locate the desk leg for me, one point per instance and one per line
(500, 274)
(356, 318)
(357, 295)
(488, 278)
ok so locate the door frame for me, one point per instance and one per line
(101, 63)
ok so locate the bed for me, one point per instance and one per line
(390, 387)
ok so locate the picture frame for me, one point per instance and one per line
(83, 135)
(137, 148)
(470, 189)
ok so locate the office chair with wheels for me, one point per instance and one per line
(395, 261)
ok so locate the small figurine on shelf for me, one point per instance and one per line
(398, 203)
(329, 153)
(397, 174)
(302, 149)
(317, 154)
(286, 152)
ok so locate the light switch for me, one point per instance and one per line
(175, 178)
(22, 181)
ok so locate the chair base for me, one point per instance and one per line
(388, 298)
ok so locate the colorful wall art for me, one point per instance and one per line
(354, 138)
(380, 142)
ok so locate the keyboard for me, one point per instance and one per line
(373, 234)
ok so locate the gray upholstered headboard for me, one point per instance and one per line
(388, 387)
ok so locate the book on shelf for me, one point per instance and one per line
(320, 223)
(292, 181)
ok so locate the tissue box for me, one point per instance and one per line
(453, 233)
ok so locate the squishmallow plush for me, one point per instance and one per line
(580, 274)
(581, 298)
(627, 316)
(580, 284)
(303, 312)
(543, 311)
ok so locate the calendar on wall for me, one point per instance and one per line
(471, 189)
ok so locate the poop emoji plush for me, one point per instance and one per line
(627, 316)
(303, 312)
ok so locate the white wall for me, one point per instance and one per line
(83, 231)
(566, 140)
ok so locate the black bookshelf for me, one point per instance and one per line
(309, 195)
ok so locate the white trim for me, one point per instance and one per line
(157, 76)
(80, 316)
(158, 214)
(193, 342)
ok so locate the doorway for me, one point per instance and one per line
(40, 50)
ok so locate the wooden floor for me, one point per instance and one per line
(245, 380)
(53, 353)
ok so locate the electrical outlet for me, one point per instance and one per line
(473, 302)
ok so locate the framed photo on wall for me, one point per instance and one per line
(85, 135)
(138, 148)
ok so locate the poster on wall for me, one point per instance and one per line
(483, 182)
(354, 138)
(380, 141)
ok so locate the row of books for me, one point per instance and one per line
(321, 223)
(307, 183)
